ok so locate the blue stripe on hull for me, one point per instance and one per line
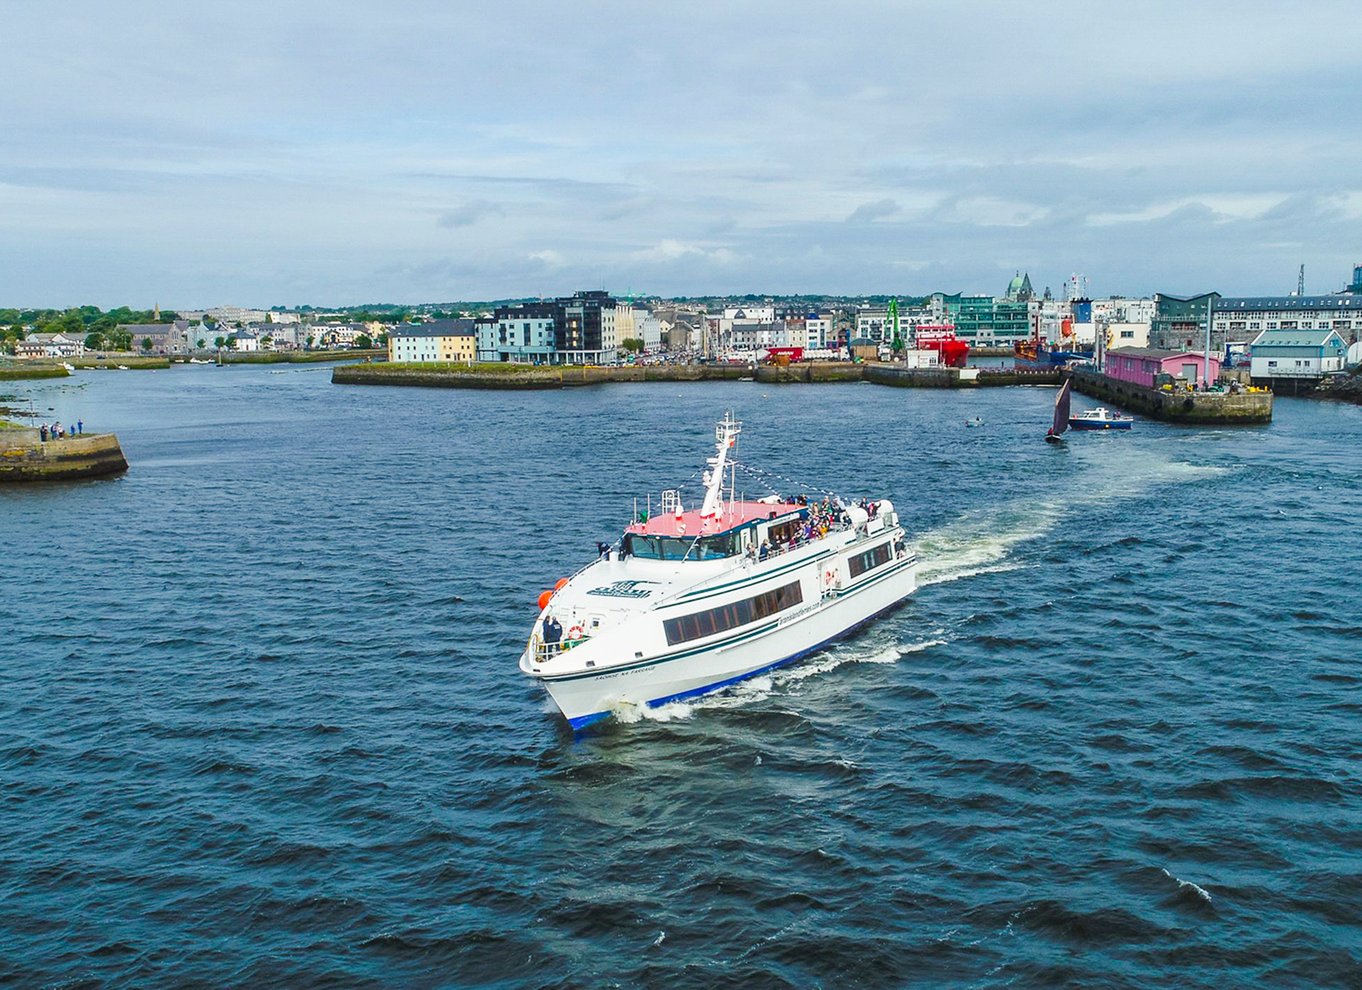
(582, 721)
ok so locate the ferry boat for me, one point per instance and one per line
(691, 600)
(1100, 418)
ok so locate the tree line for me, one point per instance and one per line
(98, 328)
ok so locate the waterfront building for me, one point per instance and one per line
(872, 324)
(1297, 354)
(647, 328)
(338, 335)
(820, 331)
(160, 338)
(1180, 322)
(54, 345)
(244, 340)
(577, 329)
(273, 336)
(987, 321)
(523, 334)
(440, 340)
(1242, 318)
(1146, 366)
(1127, 335)
(624, 324)
(583, 322)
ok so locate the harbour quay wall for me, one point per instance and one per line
(511, 376)
(24, 457)
(1197, 408)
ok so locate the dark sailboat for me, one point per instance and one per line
(1061, 422)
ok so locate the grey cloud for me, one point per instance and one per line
(469, 213)
(876, 210)
(810, 166)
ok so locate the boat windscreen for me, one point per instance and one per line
(681, 547)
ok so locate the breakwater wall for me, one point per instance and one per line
(113, 359)
(502, 376)
(24, 457)
(1197, 408)
(21, 372)
(296, 357)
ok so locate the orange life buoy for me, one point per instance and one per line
(576, 633)
(830, 578)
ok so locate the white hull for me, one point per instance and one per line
(693, 669)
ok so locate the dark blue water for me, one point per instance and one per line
(261, 722)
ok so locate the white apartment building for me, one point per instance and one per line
(819, 331)
(755, 314)
(1118, 309)
(871, 324)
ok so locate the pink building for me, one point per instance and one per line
(1143, 365)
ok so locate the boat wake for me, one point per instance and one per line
(775, 683)
(980, 543)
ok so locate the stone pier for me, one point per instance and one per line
(1193, 408)
(24, 456)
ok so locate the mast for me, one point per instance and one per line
(1206, 368)
(726, 437)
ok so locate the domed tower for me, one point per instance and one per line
(1019, 289)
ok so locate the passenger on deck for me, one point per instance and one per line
(553, 630)
(603, 549)
(765, 550)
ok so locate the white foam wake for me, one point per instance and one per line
(1188, 885)
(759, 688)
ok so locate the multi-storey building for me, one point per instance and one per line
(820, 331)
(872, 324)
(1243, 318)
(1180, 322)
(985, 321)
(577, 329)
(441, 340)
(526, 334)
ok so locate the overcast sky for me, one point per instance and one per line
(196, 154)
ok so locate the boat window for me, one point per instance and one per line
(725, 617)
(681, 547)
(782, 533)
(658, 547)
(714, 547)
(869, 560)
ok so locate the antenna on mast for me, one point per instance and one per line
(1300, 282)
